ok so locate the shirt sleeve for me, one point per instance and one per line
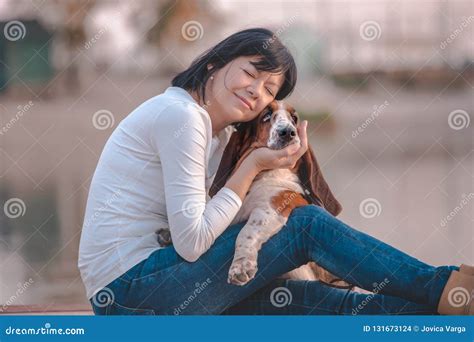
(180, 136)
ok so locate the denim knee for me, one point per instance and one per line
(307, 218)
(316, 220)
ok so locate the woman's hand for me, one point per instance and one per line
(265, 158)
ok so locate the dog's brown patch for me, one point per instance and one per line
(285, 201)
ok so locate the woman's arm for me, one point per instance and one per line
(242, 178)
(180, 134)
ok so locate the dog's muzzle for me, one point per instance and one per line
(286, 136)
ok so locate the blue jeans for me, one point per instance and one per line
(166, 284)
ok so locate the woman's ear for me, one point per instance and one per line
(315, 186)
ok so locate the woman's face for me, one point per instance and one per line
(239, 92)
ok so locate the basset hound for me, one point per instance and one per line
(273, 193)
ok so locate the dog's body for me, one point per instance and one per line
(267, 185)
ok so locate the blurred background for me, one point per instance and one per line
(387, 86)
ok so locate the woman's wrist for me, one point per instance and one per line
(252, 165)
(242, 178)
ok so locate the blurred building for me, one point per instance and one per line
(25, 61)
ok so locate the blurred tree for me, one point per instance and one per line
(72, 33)
(167, 32)
(170, 9)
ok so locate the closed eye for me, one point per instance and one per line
(248, 73)
(266, 88)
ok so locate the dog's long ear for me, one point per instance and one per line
(227, 164)
(238, 143)
(316, 188)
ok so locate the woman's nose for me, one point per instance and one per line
(256, 88)
(251, 91)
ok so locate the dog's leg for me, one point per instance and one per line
(262, 224)
(164, 237)
(312, 271)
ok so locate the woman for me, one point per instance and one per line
(155, 172)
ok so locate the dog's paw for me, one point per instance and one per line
(242, 271)
(163, 237)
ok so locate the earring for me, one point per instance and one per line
(212, 77)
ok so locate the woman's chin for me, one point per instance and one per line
(240, 116)
(246, 115)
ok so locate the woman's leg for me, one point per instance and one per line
(167, 284)
(363, 260)
(304, 297)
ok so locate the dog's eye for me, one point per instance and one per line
(267, 116)
(294, 118)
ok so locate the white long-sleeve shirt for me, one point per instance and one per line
(154, 172)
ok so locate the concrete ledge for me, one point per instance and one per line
(25, 310)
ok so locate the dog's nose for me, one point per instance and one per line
(287, 133)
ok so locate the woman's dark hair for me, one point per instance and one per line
(275, 58)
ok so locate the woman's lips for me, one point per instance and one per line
(245, 102)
